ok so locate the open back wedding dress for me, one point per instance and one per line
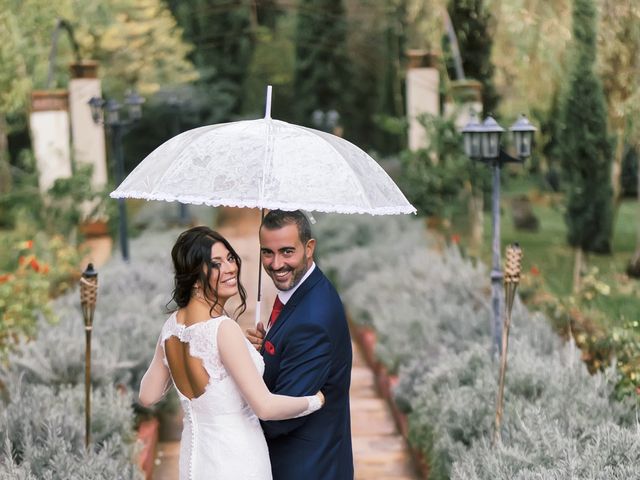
(222, 438)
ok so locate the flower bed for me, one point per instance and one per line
(431, 314)
(31, 271)
(43, 415)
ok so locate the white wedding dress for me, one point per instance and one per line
(222, 438)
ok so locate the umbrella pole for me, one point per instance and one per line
(259, 276)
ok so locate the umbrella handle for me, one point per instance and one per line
(267, 108)
(257, 319)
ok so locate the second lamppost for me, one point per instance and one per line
(482, 143)
(107, 112)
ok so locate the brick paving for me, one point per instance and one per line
(380, 452)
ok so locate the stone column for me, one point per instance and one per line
(88, 138)
(49, 125)
(464, 97)
(423, 94)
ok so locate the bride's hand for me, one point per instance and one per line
(320, 395)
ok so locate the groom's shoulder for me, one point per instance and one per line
(320, 285)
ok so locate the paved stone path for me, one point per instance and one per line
(380, 452)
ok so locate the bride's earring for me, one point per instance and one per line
(197, 293)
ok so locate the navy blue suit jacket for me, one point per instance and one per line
(309, 349)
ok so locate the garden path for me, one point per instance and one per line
(380, 452)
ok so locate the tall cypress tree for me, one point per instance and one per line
(222, 36)
(585, 148)
(471, 21)
(321, 77)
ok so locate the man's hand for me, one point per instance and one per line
(256, 335)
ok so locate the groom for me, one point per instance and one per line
(306, 348)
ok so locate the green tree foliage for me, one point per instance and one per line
(435, 178)
(619, 68)
(585, 148)
(529, 49)
(137, 42)
(390, 95)
(322, 77)
(376, 51)
(272, 64)
(223, 35)
(472, 23)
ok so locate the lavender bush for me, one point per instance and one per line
(431, 312)
(42, 423)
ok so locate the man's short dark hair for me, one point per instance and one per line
(276, 219)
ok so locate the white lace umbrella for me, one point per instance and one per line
(265, 163)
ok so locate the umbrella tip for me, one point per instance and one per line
(267, 110)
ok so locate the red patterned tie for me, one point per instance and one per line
(277, 308)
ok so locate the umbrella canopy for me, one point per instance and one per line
(265, 163)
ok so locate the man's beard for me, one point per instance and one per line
(296, 275)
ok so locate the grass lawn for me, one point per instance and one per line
(547, 251)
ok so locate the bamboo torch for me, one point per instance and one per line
(512, 271)
(88, 297)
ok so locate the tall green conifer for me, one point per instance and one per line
(223, 38)
(585, 148)
(471, 21)
(321, 78)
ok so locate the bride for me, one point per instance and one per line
(215, 370)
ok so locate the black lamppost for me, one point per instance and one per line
(107, 112)
(482, 143)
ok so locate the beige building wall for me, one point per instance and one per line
(49, 125)
(423, 96)
(88, 138)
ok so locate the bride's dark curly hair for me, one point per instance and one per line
(191, 257)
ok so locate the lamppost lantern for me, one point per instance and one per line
(472, 135)
(112, 109)
(523, 132)
(134, 103)
(332, 118)
(96, 104)
(491, 133)
(326, 121)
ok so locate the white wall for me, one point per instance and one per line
(423, 96)
(50, 138)
(88, 138)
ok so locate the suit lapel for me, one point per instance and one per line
(298, 295)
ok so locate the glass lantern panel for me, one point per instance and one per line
(476, 144)
(490, 145)
(525, 144)
(112, 116)
(135, 112)
(467, 144)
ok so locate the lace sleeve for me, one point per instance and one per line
(315, 404)
(234, 353)
(156, 380)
